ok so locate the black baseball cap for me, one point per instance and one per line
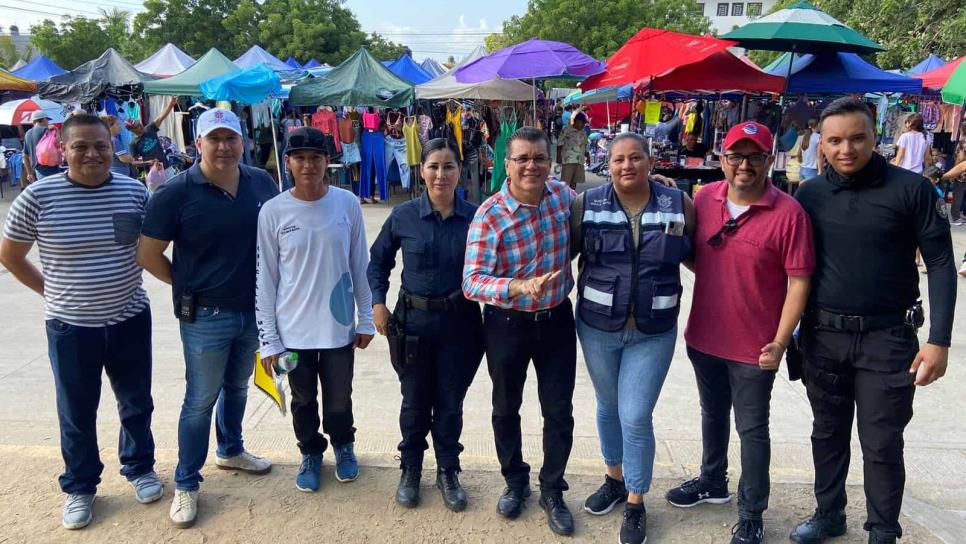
(310, 139)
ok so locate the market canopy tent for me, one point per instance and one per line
(954, 91)
(839, 73)
(108, 74)
(39, 69)
(432, 67)
(10, 82)
(722, 72)
(406, 68)
(188, 83)
(248, 86)
(312, 64)
(936, 79)
(359, 81)
(532, 59)
(257, 55)
(446, 86)
(166, 62)
(294, 64)
(928, 64)
(600, 95)
(652, 52)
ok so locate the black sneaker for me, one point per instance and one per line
(820, 526)
(695, 492)
(634, 527)
(873, 539)
(748, 531)
(606, 498)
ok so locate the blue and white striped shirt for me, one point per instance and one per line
(87, 237)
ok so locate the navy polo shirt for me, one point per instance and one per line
(214, 235)
(433, 249)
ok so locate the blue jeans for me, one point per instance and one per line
(78, 356)
(807, 173)
(219, 354)
(628, 369)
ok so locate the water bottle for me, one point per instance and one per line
(286, 362)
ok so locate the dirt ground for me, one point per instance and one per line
(238, 508)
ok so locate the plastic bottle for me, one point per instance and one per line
(286, 362)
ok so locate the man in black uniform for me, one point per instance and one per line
(859, 330)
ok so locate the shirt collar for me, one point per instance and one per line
(767, 200)
(460, 207)
(513, 204)
(195, 175)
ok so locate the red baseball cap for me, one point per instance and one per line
(749, 130)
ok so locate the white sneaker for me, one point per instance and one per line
(962, 269)
(184, 508)
(78, 511)
(245, 462)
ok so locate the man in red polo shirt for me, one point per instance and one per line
(753, 259)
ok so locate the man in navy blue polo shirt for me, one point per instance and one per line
(210, 212)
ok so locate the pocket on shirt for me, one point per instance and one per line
(127, 227)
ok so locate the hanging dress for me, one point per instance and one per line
(414, 149)
(455, 121)
(507, 128)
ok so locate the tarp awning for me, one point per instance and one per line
(166, 62)
(359, 81)
(446, 86)
(603, 94)
(839, 73)
(248, 86)
(39, 69)
(10, 82)
(188, 83)
(109, 74)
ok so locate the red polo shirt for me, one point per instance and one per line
(740, 285)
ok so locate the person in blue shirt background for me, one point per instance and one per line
(432, 233)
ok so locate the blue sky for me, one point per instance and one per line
(431, 28)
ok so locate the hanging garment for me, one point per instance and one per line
(370, 121)
(454, 119)
(414, 148)
(373, 165)
(394, 125)
(396, 149)
(499, 154)
(425, 125)
(325, 121)
(347, 132)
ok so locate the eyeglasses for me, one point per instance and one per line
(755, 159)
(729, 227)
(539, 160)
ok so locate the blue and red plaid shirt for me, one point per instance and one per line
(511, 240)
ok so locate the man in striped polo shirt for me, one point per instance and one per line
(86, 222)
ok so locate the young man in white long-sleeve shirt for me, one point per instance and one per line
(311, 277)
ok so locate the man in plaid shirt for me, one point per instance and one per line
(518, 264)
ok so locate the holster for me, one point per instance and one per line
(397, 344)
(795, 359)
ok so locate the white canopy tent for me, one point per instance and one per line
(446, 86)
(166, 62)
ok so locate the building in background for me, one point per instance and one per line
(20, 41)
(726, 15)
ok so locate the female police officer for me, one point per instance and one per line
(443, 331)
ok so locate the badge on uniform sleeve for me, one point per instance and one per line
(941, 209)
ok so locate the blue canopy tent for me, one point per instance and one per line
(839, 73)
(312, 64)
(929, 64)
(248, 86)
(406, 68)
(432, 67)
(39, 69)
(293, 63)
(603, 94)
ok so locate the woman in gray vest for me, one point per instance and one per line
(632, 235)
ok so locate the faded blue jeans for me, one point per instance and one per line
(219, 354)
(628, 369)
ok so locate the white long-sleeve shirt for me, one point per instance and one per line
(311, 274)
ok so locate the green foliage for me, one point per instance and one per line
(910, 31)
(76, 41)
(598, 27)
(8, 52)
(383, 49)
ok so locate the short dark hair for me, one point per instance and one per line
(81, 120)
(437, 144)
(527, 134)
(641, 141)
(847, 106)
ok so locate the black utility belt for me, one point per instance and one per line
(914, 317)
(454, 302)
(538, 316)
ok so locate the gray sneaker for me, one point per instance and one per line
(245, 462)
(78, 511)
(184, 508)
(147, 488)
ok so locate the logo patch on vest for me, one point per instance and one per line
(600, 202)
(664, 202)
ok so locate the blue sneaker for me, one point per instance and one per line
(346, 465)
(147, 488)
(78, 511)
(309, 478)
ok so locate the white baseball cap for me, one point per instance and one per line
(216, 118)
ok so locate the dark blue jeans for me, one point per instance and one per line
(219, 354)
(78, 355)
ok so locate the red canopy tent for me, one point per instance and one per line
(936, 79)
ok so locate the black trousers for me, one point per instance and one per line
(434, 386)
(333, 368)
(723, 384)
(512, 341)
(866, 375)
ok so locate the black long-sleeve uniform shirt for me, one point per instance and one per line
(867, 228)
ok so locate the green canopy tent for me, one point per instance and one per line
(359, 81)
(954, 92)
(188, 83)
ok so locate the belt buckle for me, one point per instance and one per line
(541, 315)
(849, 320)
